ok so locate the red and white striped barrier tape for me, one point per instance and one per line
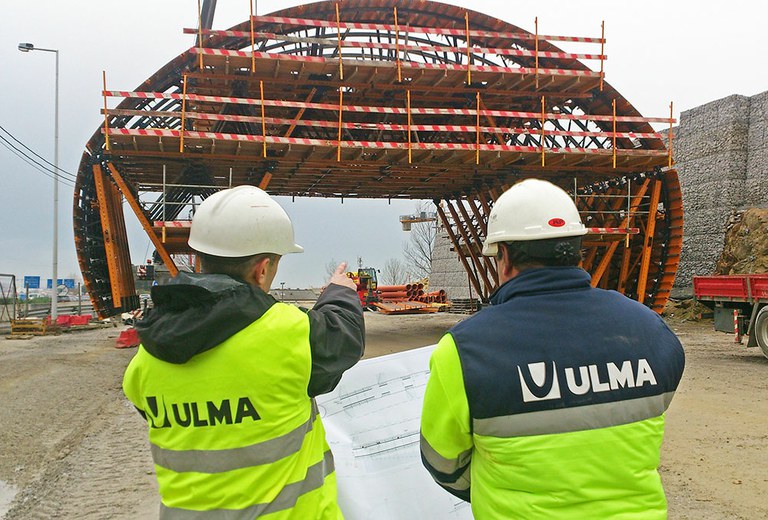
(157, 132)
(332, 24)
(385, 110)
(207, 51)
(173, 223)
(379, 126)
(332, 42)
(612, 231)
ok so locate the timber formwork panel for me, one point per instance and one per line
(384, 100)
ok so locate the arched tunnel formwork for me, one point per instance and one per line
(372, 99)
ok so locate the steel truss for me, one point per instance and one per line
(374, 100)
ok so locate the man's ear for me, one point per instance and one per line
(259, 270)
(505, 266)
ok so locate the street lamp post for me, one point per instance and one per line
(27, 47)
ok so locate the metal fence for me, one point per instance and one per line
(7, 297)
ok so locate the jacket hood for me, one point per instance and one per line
(195, 312)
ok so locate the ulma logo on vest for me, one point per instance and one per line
(194, 414)
(540, 382)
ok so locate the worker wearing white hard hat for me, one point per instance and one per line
(550, 402)
(226, 376)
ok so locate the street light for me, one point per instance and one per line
(26, 47)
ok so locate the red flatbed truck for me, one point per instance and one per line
(745, 293)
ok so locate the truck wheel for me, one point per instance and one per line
(761, 330)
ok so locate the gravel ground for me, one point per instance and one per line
(72, 447)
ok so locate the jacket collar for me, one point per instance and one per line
(194, 313)
(542, 280)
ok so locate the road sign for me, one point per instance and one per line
(69, 283)
(32, 282)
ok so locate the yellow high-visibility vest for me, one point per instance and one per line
(233, 430)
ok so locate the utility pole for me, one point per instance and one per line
(27, 47)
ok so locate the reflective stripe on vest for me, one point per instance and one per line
(286, 499)
(217, 461)
(565, 420)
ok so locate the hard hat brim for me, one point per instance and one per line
(490, 249)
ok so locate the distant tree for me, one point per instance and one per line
(395, 272)
(330, 268)
(418, 251)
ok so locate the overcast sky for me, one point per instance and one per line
(690, 52)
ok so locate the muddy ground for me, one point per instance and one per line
(72, 447)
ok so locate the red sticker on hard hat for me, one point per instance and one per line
(556, 222)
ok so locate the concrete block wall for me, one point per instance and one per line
(720, 152)
(756, 187)
(447, 270)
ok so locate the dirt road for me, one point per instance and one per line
(72, 447)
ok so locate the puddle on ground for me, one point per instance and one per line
(7, 492)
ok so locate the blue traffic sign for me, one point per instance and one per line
(69, 283)
(32, 282)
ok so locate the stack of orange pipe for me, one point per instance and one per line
(393, 293)
(410, 292)
(433, 297)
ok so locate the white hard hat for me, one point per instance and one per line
(532, 209)
(242, 221)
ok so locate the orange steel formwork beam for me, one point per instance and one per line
(427, 109)
(145, 224)
(115, 241)
(650, 229)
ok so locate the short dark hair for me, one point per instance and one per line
(550, 252)
(237, 267)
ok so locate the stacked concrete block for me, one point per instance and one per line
(720, 152)
(447, 270)
(756, 187)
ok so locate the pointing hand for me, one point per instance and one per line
(339, 277)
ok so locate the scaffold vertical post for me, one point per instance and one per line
(469, 53)
(669, 148)
(602, 53)
(629, 206)
(542, 131)
(106, 116)
(164, 199)
(183, 114)
(253, 41)
(477, 131)
(397, 48)
(613, 137)
(341, 107)
(263, 121)
(338, 31)
(408, 111)
(200, 34)
(536, 52)
(162, 227)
